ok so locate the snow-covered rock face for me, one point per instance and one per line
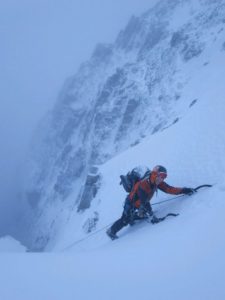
(125, 92)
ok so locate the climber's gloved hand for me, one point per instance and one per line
(188, 191)
(155, 220)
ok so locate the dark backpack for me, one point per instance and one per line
(128, 181)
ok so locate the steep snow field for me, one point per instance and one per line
(180, 258)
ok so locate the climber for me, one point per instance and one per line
(139, 199)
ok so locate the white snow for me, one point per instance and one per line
(9, 244)
(181, 258)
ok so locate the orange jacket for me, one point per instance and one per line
(144, 190)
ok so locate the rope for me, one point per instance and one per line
(168, 200)
(86, 237)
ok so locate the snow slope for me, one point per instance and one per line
(181, 258)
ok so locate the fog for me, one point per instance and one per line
(42, 43)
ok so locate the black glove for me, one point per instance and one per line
(155, 220)
(188, 191)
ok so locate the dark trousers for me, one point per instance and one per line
(128, 216)
(125, 219)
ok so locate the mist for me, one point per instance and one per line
(42, 43)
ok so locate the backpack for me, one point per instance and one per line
(131, 178)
